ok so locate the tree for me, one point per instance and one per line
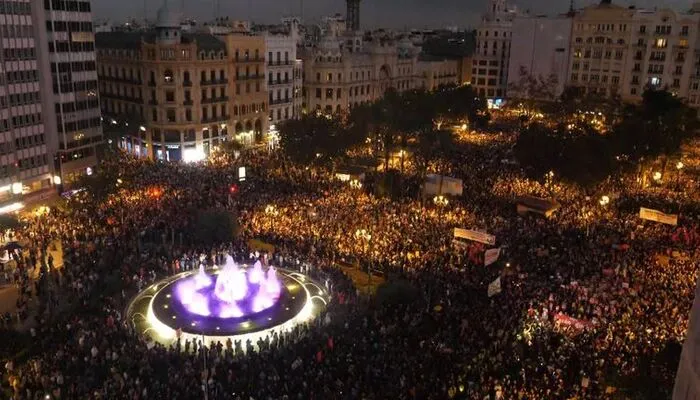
(316, 139)
(531, 90)
(655, 128)
(429, 147)
(214, 226)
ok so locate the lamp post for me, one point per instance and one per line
(271, 212)
(365, 237)
(679, 168)
(440, 202)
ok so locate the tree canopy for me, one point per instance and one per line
(658, 126)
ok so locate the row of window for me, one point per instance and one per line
(21, 99)
(16, 54)
(29, 141)
(22, 76)
(77, 125)
(80, 86)
(19, 121)
(17, 31)
(15, 7)
(598, 54)
(80, 105)
(595, 78)
(65, 46)
(67, 5)
(75, 66)
(357, 90)
(68, 26)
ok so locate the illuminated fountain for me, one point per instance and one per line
(232, 301)
(235, 293)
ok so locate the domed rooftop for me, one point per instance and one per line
(406, 43)
(167, 18)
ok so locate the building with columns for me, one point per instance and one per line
(346, 67)
(493, 45)
(184, 92)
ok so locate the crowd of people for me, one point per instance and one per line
(590, 298)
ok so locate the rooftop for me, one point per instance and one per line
(133, 40)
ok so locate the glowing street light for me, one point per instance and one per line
(355, 184)
(657, 176)
(604, 200)
(271, 210)
(679, 165)
(440, 201)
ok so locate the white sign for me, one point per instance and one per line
(491, 256)
(658, 216)
(494, 287)
(439, 184)
(477, 236)
(241, 174)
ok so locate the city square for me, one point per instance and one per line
(232, 210)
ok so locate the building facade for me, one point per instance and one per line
(540, 49)
(434, 72)
(184, 93)
(343, 72)
(493, 45)
(68, 58)
(621, 51)
(283, 75)
(26, 164)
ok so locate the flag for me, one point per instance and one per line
(495, 287)
(491, 256)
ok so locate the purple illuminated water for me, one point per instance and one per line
(235, 293)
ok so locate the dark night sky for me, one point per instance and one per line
(386, 13)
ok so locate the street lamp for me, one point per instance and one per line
(365, 236)
(604, 200)
(441, 201)
(657, 176)
(355, 184)
(679, 165)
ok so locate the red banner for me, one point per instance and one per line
(579, 324)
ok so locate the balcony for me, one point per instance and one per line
(187, 102)
(152, 83)
(250, 60)
(220, 118)
(281, 101)
(249, 77)
(187, 83)
(281, 82)
(279, 63)
(153, 102)
(214, 82)
(210, 100)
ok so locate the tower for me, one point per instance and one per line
(168, 25)
(352, 17)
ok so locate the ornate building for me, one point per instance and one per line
(490, 62)
(184, 93)
(338, 77)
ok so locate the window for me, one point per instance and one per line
(318, 93)
(329, 93)
(169, 96)
(171, 114)
(660, 43)
(188, 115)
(168, 76)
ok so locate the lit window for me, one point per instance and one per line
(661, 42)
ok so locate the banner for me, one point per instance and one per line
(658, 216)
(491, 256)
(579, 324)
(494, 287)
(477, 236)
